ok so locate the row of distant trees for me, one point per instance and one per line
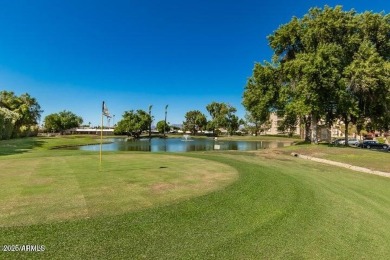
(222, 116)
(134, 122)
(19, 116)
(331, 65)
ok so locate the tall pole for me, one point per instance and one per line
(107, 114)
(165, 124)
(150, 121)
(101, 136)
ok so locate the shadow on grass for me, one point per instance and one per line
(322, 144)
(19, 145)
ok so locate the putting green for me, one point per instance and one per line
(68, 186)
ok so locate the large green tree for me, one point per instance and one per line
(312, 52)
(261, 94)
(28, 110)
(222, 115)
(367, 81)
(162, 127)
(194, 121)
(233, 123)
(133, 123)
(364, 91)
(7, 122)
(64, 120)
(321, 61)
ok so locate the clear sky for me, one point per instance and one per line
(73, 54)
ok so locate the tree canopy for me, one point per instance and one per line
(19, 115)
(261, 94)
(194, 121)
(331, 64)
(222, 115)
(64, 120)
(133, 123)
(160, 126)
(7, 123)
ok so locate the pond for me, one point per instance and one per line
(180, 145)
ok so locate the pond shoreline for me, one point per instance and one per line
(179, 144)
(76, 145)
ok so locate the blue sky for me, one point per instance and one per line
(74, 54)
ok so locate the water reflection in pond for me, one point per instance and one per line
(181, 145)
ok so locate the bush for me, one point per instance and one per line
(7, 123)
(28, 131)
(381, 140)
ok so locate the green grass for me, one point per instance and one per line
(280, 207)
(16, 146)
(25, 145)
(372, 159)
(50, 188)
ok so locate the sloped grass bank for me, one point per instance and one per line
(29, 144)
(371, 159)
(278, 208)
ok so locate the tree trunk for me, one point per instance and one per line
(256, 128)
(359, 130)
(313, 128)
(346, 122)
(306, 121)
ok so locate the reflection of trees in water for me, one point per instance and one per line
(134, 145)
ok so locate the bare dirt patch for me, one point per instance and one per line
(161, 187)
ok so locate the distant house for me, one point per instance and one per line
(90, 131)
(323, 132)
(275, 122)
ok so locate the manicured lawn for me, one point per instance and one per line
(24, 145)
(372, 159)
(279, 207)
(73, 185)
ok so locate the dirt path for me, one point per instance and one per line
(344, 165)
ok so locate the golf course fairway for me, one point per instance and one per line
(205, 205)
